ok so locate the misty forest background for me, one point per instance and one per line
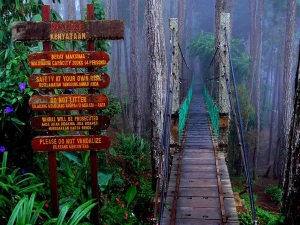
(264, 50)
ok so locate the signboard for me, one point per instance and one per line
(70, 123)
(68, 30)
(68, 59)
(68, 102)
(70, 143)
(68, 80)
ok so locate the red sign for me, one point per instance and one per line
(68, 102)
(68, 59)
(70, 143)
(68, 30)
(71, 123)
(68, 80)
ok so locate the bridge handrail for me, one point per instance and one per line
(213, 110)
(184, 109)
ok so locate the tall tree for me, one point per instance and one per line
(71, 10)
(291, 186)
(287, 79)
(157, 72)
(258, 78)
(134, 69)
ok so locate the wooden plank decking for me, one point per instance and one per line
(198, 199)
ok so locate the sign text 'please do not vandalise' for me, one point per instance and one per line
(70, 122)
(68, 102)
(68, 80)
(68, 59)
(70, 143)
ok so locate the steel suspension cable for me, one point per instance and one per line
(247, 170)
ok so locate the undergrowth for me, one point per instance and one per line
(264, 217)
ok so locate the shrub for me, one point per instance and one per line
(274, 192)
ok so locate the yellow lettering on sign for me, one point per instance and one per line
(48, 141)
(67, 36)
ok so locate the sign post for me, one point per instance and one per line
(48, 31)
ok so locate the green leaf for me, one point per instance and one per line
(103, 179)
(1, 32)
(16, 211)
(80, 212)
(4, 161)
(37, 17)
(30, 188)
(17, 121)
(62, 214)
(130, 194)
(112, 152)
(73, 156)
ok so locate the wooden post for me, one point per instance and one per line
(93, 153)
(51, 155)
(174, 138)
(224, 65)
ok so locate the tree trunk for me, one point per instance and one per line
(157, 71)
(291, 186)
(134, 68)
(72, 10)
(287, 79)
(274, 114)
(259, 55)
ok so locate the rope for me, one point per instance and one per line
(213, 58)
(247, 170)
(183, 57)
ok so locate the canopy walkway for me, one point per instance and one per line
(199, 189)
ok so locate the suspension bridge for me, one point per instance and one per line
(196, 188)
(199, 189)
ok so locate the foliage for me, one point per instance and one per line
(114, 106)
(27, 211)
(115, 212)
(136, 151)
(275, 193)
(14, 184)
(263, 216)
(203, 47)
(79, 214)
(14, 72)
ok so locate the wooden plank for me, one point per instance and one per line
(199, 161)
(68, 102)
(71, 123)
(70, 143)
(68, 80)
(68, 30)
(197, 213)
(180, 221)
(197, 175)
(196, 168)
(198, 202)
(191, 183)
(199, 191)
(65, 59)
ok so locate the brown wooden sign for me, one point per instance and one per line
(68, 59)
(68, 102)
(70, 123)
(68, 80)
(68, 30)
(70, 143)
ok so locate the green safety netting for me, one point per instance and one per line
(184, 109)
(213, 110)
